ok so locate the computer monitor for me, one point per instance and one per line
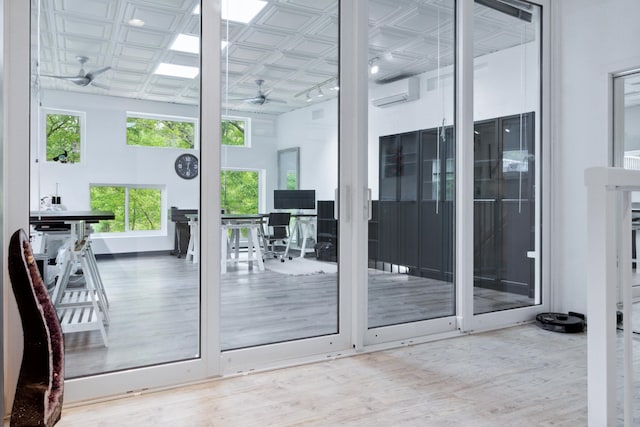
(294, 199)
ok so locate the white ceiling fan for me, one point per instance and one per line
(83, 78)
(262, 97)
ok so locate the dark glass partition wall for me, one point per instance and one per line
(115, 129)
(411, 134)
(279, 280)
(507, 46)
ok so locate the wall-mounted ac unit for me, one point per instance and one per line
(397, 92)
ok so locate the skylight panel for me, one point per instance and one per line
(242, 11)
(186, 43)
(173, 70)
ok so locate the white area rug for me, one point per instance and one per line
(300, 266)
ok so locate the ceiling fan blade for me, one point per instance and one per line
(79, 80)
(275, 101)
(257, 100)
(100, 85)
(92, 74)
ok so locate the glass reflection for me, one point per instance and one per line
(279, 278)
(506, 135)
(115, 105)
(411, 134)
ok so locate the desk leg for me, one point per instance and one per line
(254, 248)
(224, 250)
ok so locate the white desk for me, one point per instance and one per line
(304, 229)
(231, 229)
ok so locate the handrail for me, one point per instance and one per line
(609, 242)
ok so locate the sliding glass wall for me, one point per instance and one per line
(279, 269)
(411, 155)
(114, 176)
(506, 146)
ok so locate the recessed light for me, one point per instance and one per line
(223, 44)
(196, 10)
(186, 43)
(135, 22)
(174, 70)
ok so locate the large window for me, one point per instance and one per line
(150, 131)
(239, 191)
(63, 136)
(235, 131)
(135, 208)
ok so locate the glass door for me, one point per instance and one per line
(626, 149)
(506, 147)
(279, 232)
(114, 185)
(411, 135)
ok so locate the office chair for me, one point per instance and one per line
(276, 238)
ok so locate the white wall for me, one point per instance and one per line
(108, 160)
(498, 92)
(592, 39)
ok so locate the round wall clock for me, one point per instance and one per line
(187, 166)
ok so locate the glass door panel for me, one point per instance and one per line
(506, 134)
(279, 283)
(114, 179)
(626, 131)
(411, 93)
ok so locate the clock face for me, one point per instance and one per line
(187, 166)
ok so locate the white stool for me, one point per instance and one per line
(193, 250)
(230, 245)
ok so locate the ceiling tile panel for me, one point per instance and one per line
(82, 46)
(279, 18)
(135, 66)
(292, 60)
(126, 76)
(272, 72)
(327, 29)
(155, 19)
(85, 28)
(316, 5)
(175, 4)
(246, 53)
(104, 9)
(141, 37)
(136, 53)
(423, 19)
(313, 47)
(235, 66)
(386, 39)
(264, 38)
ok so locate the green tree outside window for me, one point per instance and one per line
(63, 135)
(160, 133)
(239, 192)
(233, 132)
(134, 209)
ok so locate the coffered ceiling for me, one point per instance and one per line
(291, 44)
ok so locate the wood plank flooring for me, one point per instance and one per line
(521, 376)
(155, 309)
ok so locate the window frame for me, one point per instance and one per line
(247, 130)
(168, 118)
(82, 118)
(134, 233)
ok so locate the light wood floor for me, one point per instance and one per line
(154, 303)
(521, 376)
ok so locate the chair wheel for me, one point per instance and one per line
(282, 260)
(290, 258)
